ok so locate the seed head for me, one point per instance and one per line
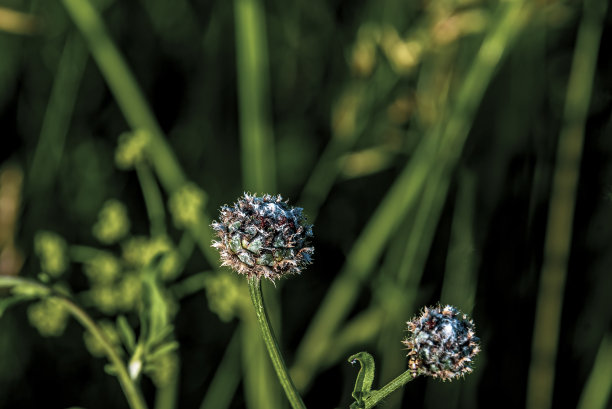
(441, 343)
(263, 237)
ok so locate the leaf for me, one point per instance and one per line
(162, 350)
(365, 377)
(126, 333)
(110, 369)
(162, 334)
(155, 315)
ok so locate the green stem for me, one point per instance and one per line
(130, 389)
(152, 198)
(407, 188)
(377, 395)
(56, 122)
(272, 345)
(557, 247)
(257, 142)
(598, 387)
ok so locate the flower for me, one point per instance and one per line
(186, 205)
(263, 237)
(103, 268)
(113, 223)
(441, 343)
(131, 148)
(49, 317)
(51, 249)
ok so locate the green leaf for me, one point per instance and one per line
(155, 316)
(28, 290)
(365, 377)
(110, 369)
(162, 334)
(126, 333)
(162, 350)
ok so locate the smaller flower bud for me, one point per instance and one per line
(263, 237)
(441, 343)
(49, 317)
(186, 205)
(113, 223)
(131, 148)
(51, 249)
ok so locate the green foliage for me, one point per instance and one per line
(365, 378)
(418, 137)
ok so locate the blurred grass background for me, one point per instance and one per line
(445, 150)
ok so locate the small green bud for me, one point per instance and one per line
(103, 268)
(51, 249)
(186, 205)
(48, 316)
(113, 222)
(131, 148)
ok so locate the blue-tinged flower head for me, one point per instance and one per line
(441, 343)
(263, 237)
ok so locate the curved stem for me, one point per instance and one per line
(376, 396)
(130, 389)
(152, 198)
(272, 345)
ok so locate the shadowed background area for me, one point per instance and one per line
(451, 151)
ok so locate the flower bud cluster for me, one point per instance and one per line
(263, 237)
(441, 343)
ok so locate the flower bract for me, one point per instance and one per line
(263, 237)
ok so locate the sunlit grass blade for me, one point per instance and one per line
(562, 204)
(598, 389)
(134, 107)
(49, 150)
(407, 187)
(257, 142)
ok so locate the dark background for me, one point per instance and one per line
(183, 56)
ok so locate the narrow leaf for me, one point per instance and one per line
(365, 377)
(126, 333)
(163, 350)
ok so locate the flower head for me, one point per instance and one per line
(441, 343)
(51, 249)
(263, 237)
(113, 223)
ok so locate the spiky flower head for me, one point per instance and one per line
(441, 343)
(263, 237)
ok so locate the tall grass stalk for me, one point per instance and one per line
(258, 160)
(56, 122)
(598, 389)
(403, 194)
(458, 284)
(153, 199)
(561, 208)
(258, 153)
(134, 107)
(410, 271)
